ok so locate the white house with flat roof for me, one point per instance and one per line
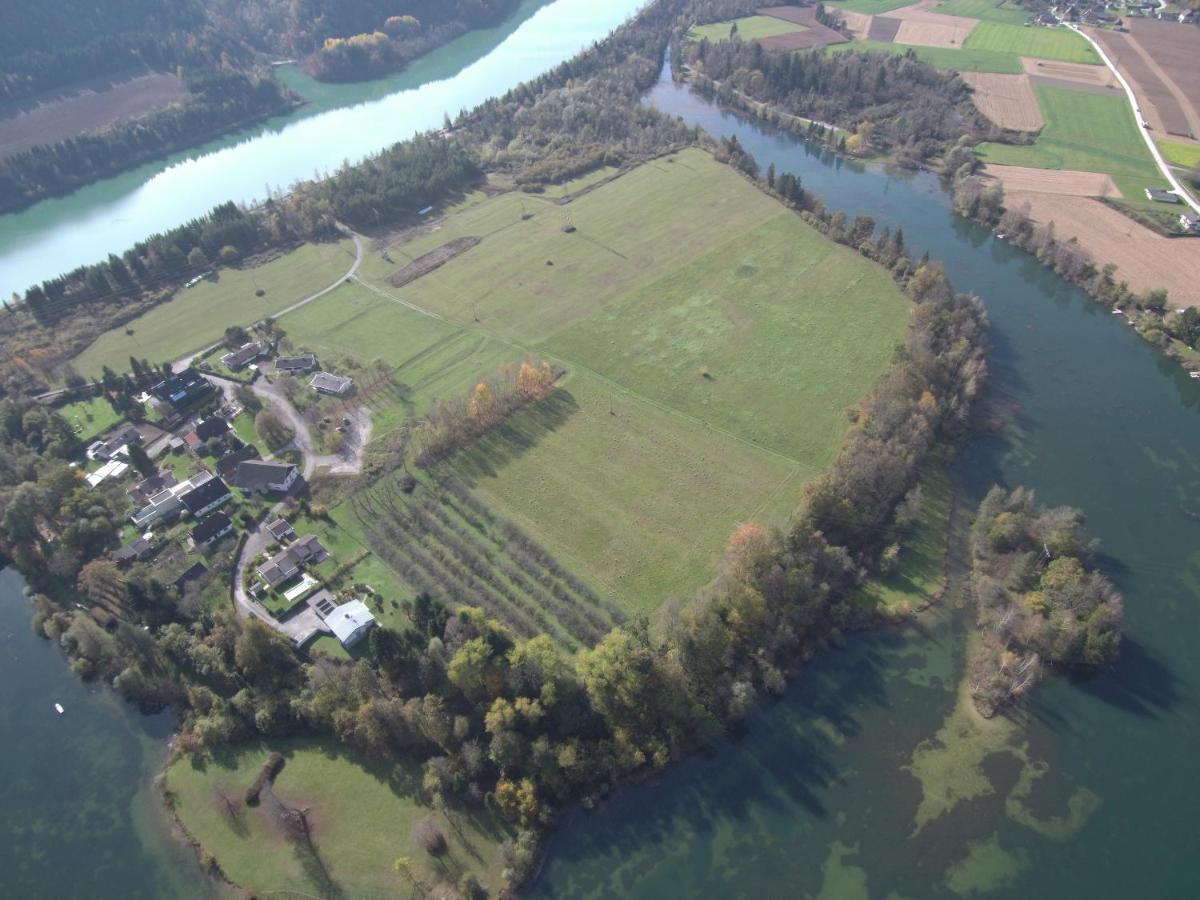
(350, 622)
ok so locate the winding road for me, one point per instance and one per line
(1139, 118)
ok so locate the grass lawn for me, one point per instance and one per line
(922, 570)
(1042, 43)
(243, 427)
(955, 59)
(361, 815)
(90, 418)
(750, 28)
(1088, 132)
(870, 7)
(988, 10)
(712, 340)
(197, 317)
(1178, 153)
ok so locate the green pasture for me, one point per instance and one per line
(197, 317)
(749, 28)
(950, 58)
(90, 418)
(1179, 153)
(360, 815)
(1088, 132)
(1042, 43)
(870, 7)
(987, 10)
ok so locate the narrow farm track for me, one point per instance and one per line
(1162, 164)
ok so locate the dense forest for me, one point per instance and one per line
(1039, 600)
(217, 102)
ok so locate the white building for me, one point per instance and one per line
(350, 622)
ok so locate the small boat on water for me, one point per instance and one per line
(58, 708)
(1194, 374)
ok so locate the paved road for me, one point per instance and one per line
(1137, 114)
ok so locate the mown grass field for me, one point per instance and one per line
(1088, 132)
(954, 59)
(197, 317)
(1179, 153)
(988, 10)
(749, 28)
(870, 7)
(712, 343)
(360, 815)
(90, 418)
(1042, 43)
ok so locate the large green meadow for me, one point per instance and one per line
(989, 10)
(749, 28)
(712, 342)
(951, 58)
(1087, 132)
(197, 317)
(1042, 43)
(870, 7)
(360, 815)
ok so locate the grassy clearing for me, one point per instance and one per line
(749, 28)
(923, 555)
(949, 58)
(360, 815)
(988, 10)
(1178, 153)
(197, 317)
(90, 418)
(1041, 43)
(1088, 132)
(713, 343)
(870, 7)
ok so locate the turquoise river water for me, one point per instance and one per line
(867, 779)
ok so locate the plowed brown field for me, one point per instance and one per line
(1008, 100)
(1092, 76)
(1065, 183)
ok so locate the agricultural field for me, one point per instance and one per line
(1088, 132)
(702, 386)
(988, 10)
(90, 418)
(1008, 100)
(197, 317)
(1043, 43)
(360, 815)
(870, 7)
(749, 28)
(958, 60)
(1179, 153)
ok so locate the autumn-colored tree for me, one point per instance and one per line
(100, 581)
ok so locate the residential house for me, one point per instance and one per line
(1161, 196)
(183, 389)
(286, 563)
(1189, 222)
(255, 476)
(141, 492)
(228, 464)
(350, 622)
(334, 385)
(193, 572)
(244, 355)
(116, 444)
(213, 426)
(206, 496)
(290, 365)
(139, 549)
(211, 529)
(281, 530)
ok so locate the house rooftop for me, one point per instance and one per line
(212, 427)
(1161, 196)
(302, 363)
(327, 383)
(280, 529)
(258, 475)
(228, 464)
(350, 621)
(208, 492)
(210, 527)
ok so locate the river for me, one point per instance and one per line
(1094, 794)
(339, 123)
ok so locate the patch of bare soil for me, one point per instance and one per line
(1076, 73)
(1160, 106)
(883, 29)
(1144, 260)
(1008, 100)
(434, 259)
(1063, 182)
(1176, 49)
(818, 35)
(859, 24)
(62, 115)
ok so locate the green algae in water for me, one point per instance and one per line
(986, 868)
(1082, 803)
(843, 881)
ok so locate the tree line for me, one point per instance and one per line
(217, 102)
(1040, 602)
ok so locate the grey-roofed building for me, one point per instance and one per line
(206, 497)
(350, 622)
(247, 353)
(326, 383)
(193, 572)
(228, 464)
(182, 389)
(115, 444)
(212, 427)
(305, 362)
(1161, 196)
(286, 563)
(146, 488)
(261, 477)
(211, 529)
(139, 549)
(281, 530)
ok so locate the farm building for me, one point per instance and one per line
(182, 389)
(244, 355)
(206, 495)
(1161, 196)
(1189, 222)
(211, 529)
(256, 476)
(306, 362)
(334, 385)
(350, 622)
(286, 563)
